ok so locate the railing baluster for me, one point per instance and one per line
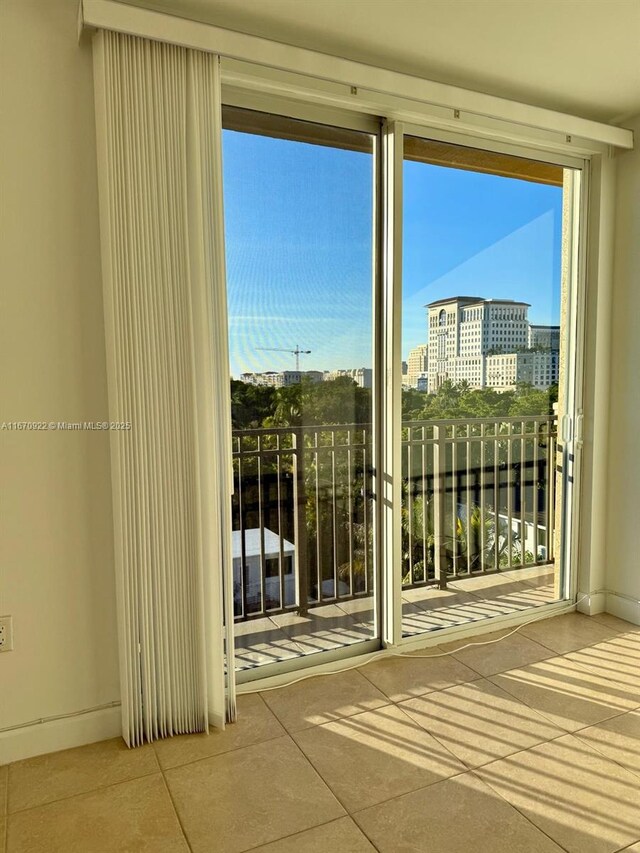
(483, 512)
(496, 497)
(523, 492)
(551, 487)
(535, 492)
(334, 514)
(300, 523)
(468, 510)
(263, 564)
(454, 501)
(409, 508)
(439, 509)
(244, 568)
(423, 485)
(510, 488)
(365, 507)
(319, 567)
(350, 507)
(280, 536)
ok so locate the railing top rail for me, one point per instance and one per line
(306, 428)
(498, 419)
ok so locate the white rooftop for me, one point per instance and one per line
(252, 543)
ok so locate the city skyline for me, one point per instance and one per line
(299, 249)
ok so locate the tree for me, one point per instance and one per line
(250, 404)
(530, 401)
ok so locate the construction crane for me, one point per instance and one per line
(297, 352)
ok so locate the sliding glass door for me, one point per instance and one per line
(446, 480)
(299, 208)
(486, 378)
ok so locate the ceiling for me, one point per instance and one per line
(576, 56)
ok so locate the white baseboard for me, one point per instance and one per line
(592, 604)
(623, 608)
(55, 735)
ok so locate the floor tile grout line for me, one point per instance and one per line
(570, 651)
(388, 701)
(519, 751)
(289, 737)
(435, 690)
(608, 719)
(520, 812)
(299, 832)
(586, 667)
(603, 754)
(84, 793)
(627, 846)
(546, 714)
(400, 702)
(319, 775)
(530, 749)
(596, 618)
(435, 781)
(342, 718)
(502, 757)
(352, 812)
(366, 834)
(175, 811)
(408, 793)
(219, 754)
(501, 671)
(564, 732)
(291, 834)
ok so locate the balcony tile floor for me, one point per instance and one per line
(332, 626)
(530, 744)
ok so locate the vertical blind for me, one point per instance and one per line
(159, 161)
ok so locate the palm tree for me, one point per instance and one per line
(418, 538)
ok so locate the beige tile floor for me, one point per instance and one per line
(528, 745)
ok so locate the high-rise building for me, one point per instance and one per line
(281, 378)
(362, 376)
(544, 337)
(539, 369)
(484, 341)
(417, 365)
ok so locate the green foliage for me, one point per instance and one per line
(342, 401)
(462, 401)
(528, 400)
(251, 404)
(307, 403)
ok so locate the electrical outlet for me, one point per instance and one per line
(6, 633)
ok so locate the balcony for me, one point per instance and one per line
(478, 538)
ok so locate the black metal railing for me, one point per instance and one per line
(477, 497)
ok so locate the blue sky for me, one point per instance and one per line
(299, 247)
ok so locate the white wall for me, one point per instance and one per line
(623, 525)
(56, 574)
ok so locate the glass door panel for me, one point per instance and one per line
(484, 343)
(299, 210)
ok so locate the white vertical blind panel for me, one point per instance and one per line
(159, 128)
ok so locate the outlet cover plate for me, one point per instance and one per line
(6, 634)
